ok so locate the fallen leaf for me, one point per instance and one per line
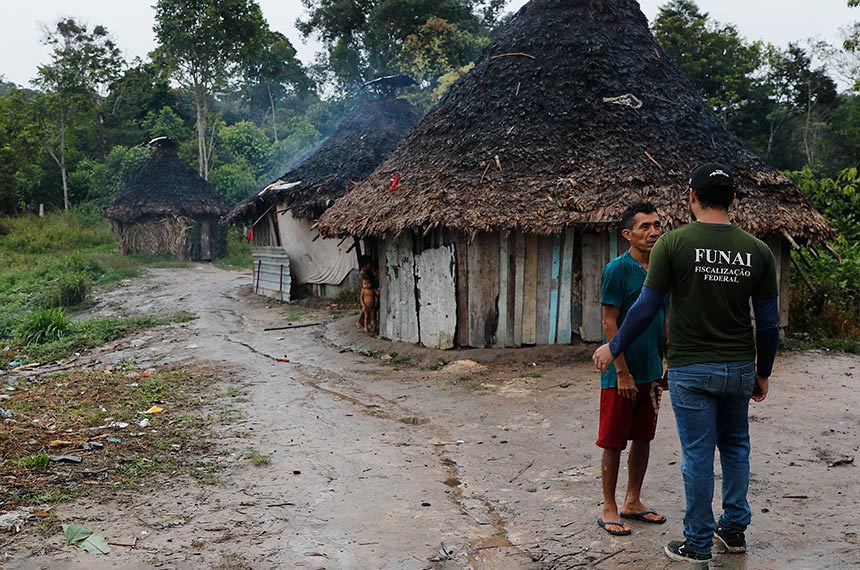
(154, 410)
(84, 538)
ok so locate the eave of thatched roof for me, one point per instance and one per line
(356, 147)
(166, 186)
(570, 114)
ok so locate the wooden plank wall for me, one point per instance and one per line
(402, 309)
(565, 289)
(384, 305)
(595, 256)
(505, 290)
(437, 297)
(518, 264)
(483, 289)
(782, 254)
(530, 282)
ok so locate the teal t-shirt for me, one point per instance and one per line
(623, 278)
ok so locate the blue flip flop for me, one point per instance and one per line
(642, 516)
(604, 526)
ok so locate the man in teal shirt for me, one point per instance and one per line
(630, 393)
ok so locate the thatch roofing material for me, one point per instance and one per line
(356, 147)
(166, 186)
(571, 114)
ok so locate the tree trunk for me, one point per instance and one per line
(63, 161)
(200, 106)
(274, 118)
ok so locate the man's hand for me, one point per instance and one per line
(603, 358)
(626, 385)
(664, 381)
(760, 389)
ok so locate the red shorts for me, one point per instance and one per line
(623, 420)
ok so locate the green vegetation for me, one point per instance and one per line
(48, 267)
(825, 298)
(39, 462)
(258, 459)
(238, 252)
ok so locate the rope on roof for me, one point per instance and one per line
(627, 100)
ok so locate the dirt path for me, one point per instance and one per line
(376, 466)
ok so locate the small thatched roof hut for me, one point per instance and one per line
(284, 211)
(572, 113)
(168, 209)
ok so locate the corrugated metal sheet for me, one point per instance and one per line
(271, 272)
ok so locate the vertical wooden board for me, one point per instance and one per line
(403, 310)
(593, 262)
(384, 290)
(483, 289)
(530, 278)
(504, 277)
(613, 244)
(553, 288)
(462, 279)
(511, 261)
(576, 288)
(782, 255)
(784, 267)
(519, 273)
(565, 288)
(437, 297)
(544, 277)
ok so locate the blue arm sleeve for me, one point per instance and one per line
(766, 334)
(638, 317)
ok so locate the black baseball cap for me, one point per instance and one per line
(712, 176)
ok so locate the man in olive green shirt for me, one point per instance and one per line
(712, 269)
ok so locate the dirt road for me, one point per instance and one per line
(392, 466)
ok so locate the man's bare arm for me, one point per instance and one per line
(626, 383)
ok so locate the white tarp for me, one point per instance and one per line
(317, 262)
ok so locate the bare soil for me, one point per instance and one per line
(415, 459)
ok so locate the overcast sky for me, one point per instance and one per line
(130, 22)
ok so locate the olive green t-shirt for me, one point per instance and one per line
(711, 272)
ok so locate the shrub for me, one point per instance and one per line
(68, 290)
(43, 325)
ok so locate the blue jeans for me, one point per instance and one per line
(711, 404)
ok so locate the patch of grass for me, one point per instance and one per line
(258, 459)
(532, 375)
(42, 326)
(38, 462)
(139, 468)
(54, 495)
(238, 256)
(205, 476)
(850, 345)
(96, 332)
(295, 313)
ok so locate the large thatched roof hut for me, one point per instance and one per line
(519, 175)
(168, 209)
(282, 214)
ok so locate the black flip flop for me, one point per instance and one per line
(604, 526)
(641, 516)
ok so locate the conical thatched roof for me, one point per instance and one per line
(356, 147)
(573, 112)
(166, 186)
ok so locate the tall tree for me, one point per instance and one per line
(202, 41)
(272, 74)
(715, 58)
(362, 38)
(800, 91)
(83, 63)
